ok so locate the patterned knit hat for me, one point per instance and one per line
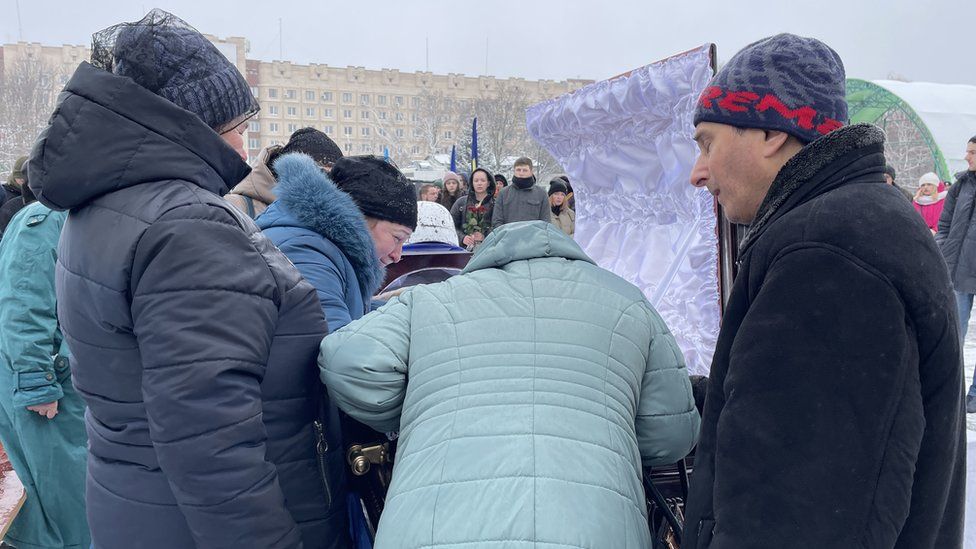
(378, 188)
(168, 57)
(785, 82)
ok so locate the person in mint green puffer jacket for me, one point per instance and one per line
(42, 424)
(528, 392)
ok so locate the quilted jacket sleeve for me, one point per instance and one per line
(204, 313)
(321, 270)
(33, 338)
(364, 365)
(667, 421)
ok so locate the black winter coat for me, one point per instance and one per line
(834, 416)
(13, 201)
(194, 340)
(957, 233)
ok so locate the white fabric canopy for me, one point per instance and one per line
(948, 111)
(626, 144)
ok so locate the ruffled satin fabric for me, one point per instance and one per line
(626, 144)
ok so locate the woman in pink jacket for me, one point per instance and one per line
(929, 200)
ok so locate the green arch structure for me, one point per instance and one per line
(869, 102)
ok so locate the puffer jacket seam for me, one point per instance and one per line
(202, 289)
(437, 485)
(208, 432)
(557, 368)
(204, 361)
(89, 279)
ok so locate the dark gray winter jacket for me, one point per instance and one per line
(515, 204)
(194, 339)
(957, 233)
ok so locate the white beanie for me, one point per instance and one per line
(434, 224)
(929, 179)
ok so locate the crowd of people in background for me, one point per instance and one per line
(190, 341)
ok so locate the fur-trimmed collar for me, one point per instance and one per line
(808, 165)
(317, 204)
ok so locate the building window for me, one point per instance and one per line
(399, 117)
(273, 127)
(272, 93)
(329, 130)
(273, 110)
(326, 113)
(364, 115)
(291, 94)
(254, 91)
(399, 132)
(327, 96)
(254, 126)
(347, 114)
(366, 148)
(292, 128)
(364, 98)
(381, 100)
(292, 111)
(310, 112)
(347, 97)
(347, 130)
(381, 131)
(416, 132)
(381, 115)
(415, 150)
(415, 102)
(253, 143)
(365, 132)
(309, 95)
(448, 134)
(414, 117)
(348, 147)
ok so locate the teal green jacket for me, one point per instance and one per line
(49, 455)
(31, 346)
(528, 391)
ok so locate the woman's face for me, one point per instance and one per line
(929, 190)
(557, 199)
(235, 138)
(451, 185)
(480, 182)
(388, 239)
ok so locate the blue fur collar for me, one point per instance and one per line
(316, 203)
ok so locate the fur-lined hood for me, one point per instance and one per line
(307, 198)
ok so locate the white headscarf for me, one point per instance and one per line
(434, 224)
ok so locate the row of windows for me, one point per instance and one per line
(347, 114)
(328, 97)
(275, 127)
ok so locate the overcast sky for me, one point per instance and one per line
(920, 40)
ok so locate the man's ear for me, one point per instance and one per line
(774, 141)
(777, 142)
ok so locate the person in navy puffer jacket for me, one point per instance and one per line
(194, 339)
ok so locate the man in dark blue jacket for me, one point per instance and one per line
(834, 412)
(957, 240)
(194, 340)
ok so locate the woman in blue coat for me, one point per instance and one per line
(41, 416)
(342, 232)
